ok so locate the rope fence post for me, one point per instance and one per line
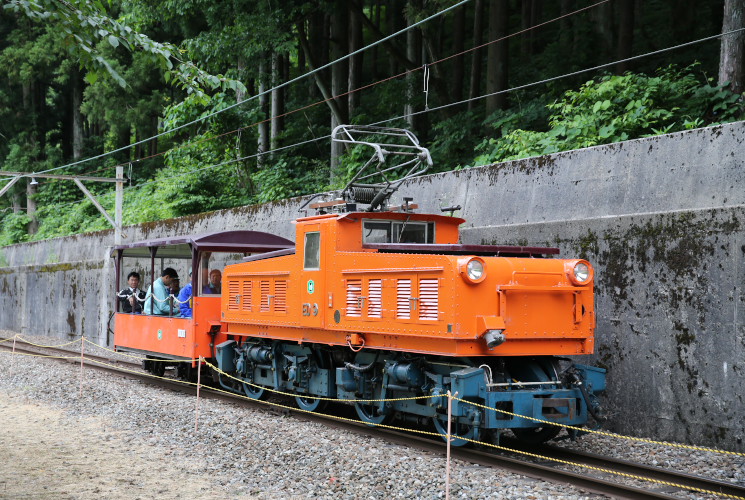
(449, 439)
(199, 385)
(13, 356)
(82, 357)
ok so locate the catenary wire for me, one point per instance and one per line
(520, 87)
(378, 82)
(282, 85)
(512, 89)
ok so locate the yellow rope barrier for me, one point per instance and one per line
(21, 339)
(608, 434)
(140, 358)
(38, 355)
(547, 422)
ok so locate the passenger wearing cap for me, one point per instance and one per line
(185, 301)
(157, 295)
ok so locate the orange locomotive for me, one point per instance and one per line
(386, 305)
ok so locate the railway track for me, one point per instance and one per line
(665, 483)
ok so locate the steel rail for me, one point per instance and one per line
(552, 473)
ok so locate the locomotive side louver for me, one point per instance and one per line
(375, 298)
(247, 298)
(403, 304)
(280, 296)
(354, 294)
(429, 299)
(265, 296)
(234, 301)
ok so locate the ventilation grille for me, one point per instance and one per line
(354, 292)
(429, 299)
(280, 296)
(247, 298)
(265, 296)
(375, 298)
(234, 295)
(403, 304)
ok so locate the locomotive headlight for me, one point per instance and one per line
(473, 269)
(579, 272)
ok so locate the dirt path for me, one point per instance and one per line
(47, 454)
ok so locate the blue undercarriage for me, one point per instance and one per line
(529, 393)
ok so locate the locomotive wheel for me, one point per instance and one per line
(369, 413)
(159, 368)
(459, 433)
(310, 404)
(256, 392)
(536, 435)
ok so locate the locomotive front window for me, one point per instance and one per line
(379, 231)
(376, 231)
(312, 251)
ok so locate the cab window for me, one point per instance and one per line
(312, 251)
(387, 231)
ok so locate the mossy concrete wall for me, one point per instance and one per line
(661, 218)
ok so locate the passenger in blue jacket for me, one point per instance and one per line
(185, 302)
(159, 304)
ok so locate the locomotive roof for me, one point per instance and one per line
(491, 250)
(219, 241)
(387, 215)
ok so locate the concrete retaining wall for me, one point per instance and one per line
(660, 218)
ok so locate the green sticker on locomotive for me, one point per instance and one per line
(311, 286)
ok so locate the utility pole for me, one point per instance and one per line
(116, 222)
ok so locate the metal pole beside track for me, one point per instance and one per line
(13, 356)
(449, 439)
(82, 357)
(199, 384)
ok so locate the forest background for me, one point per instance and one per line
(91, 85)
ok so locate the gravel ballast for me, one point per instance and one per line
(240, 452)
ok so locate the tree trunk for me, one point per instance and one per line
(413, 54)
(459, 33)
(278, 100)
(77, 117)
(497, 56)
(241, 67)
(318, 77)
(602, 17)
(394, 22)
(263, 127)
(732, 46)
(355, 62)
(476, 56)
(374, 56)
(625, 33)
(318, 52)
(339, 72)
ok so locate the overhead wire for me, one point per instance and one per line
(457, 103)
(266, 92)
(364, 87)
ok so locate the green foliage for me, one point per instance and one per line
(616, 108)
(288, 177)
(14, 228)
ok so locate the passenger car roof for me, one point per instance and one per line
(220, 241)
